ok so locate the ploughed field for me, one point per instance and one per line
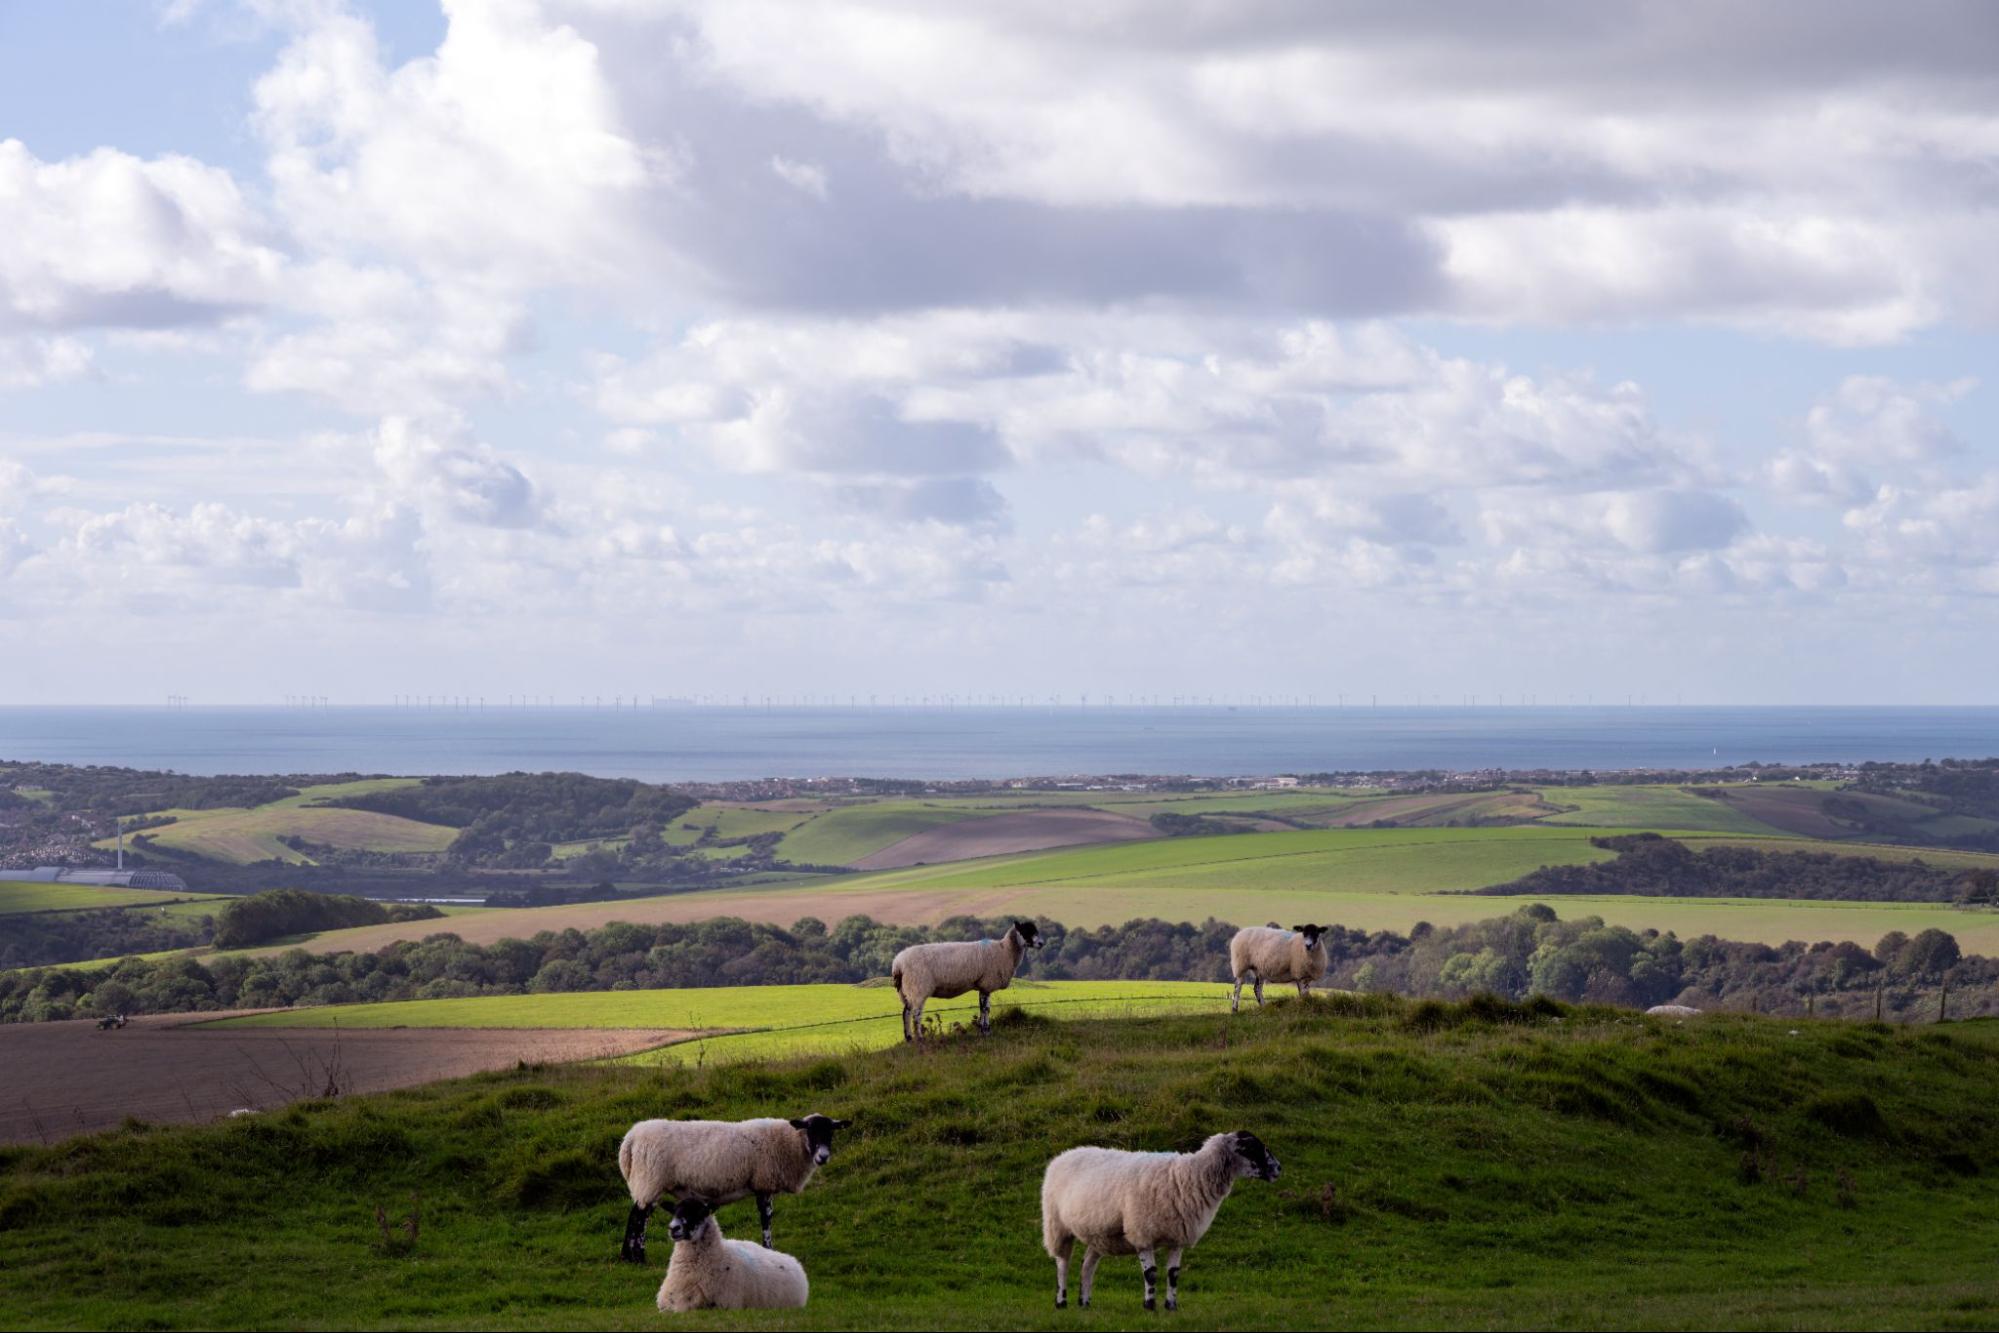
(1443, 1166)
(70, 1078)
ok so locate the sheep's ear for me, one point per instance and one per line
(1299, 930)
(798, 1124)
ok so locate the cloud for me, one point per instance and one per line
(963, 501)
(27, 363)
(1868, 427)
(109, 240)
(501, 153)
(465, 481)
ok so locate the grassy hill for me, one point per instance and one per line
(1443, 1166)
(25, 896)
(240, 836)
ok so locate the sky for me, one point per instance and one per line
(1261, 347)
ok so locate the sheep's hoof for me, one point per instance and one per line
(1061, 1302)
(1150, 1304)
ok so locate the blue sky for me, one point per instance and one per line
(882, 348)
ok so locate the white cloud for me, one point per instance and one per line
(441, 472)
(1867, 428)
(804, 177)
(112, 240)
(27, 363)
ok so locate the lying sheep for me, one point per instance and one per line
(708, 1271)
(1268, 954)
(718, 1162)
(1136, 1202)
(923, 972)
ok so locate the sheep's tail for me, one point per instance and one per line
(895, 975)
(625, 1165)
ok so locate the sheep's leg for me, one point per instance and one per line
(1259, 990)
(1235, 1000)
(916, 1020)
(1089, 1279)
(986, 1012)
(905, 1018)
(1173, 1279)
(1062, 1249)
(764, 1214)
(1304, 989)
(1151, 1278)
(634, 1249)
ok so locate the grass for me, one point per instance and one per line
(240, 836)
(1341, 860)
(1649, 807)
(22, 896)
(787, 1020)
(1472, 1165)
(837, 837)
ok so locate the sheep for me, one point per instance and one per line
(1119, 1202)
(1268, 954)
(718, 1162)
(940, 971)
(708, 1271)
(1672, 1011)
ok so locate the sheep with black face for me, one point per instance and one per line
(1117, 1202)
(718, 1162)
(924, 972)
(1264, 953)
(709, 1271)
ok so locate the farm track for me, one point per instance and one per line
(69, 1078)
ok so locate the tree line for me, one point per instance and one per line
(1649, 865)
(1528, 952)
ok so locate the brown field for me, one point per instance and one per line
(65, 1079)
(997, 835)
(1801, 810)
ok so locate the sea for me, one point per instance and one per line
(717, 744)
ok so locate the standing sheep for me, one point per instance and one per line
(1119, 1202)
(1268, 954)
(923, 972)
(718, 1162)
(708, 1271)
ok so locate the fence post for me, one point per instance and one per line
(1943, 1003)
(1877, 1003)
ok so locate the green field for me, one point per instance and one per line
(18, 896)
(1443, 1166)
(788, 1020)
(241, 836)
(1325, 860)
(836, 837)
(1649, 807)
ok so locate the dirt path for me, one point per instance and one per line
(996, 835)
(65, 1079)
